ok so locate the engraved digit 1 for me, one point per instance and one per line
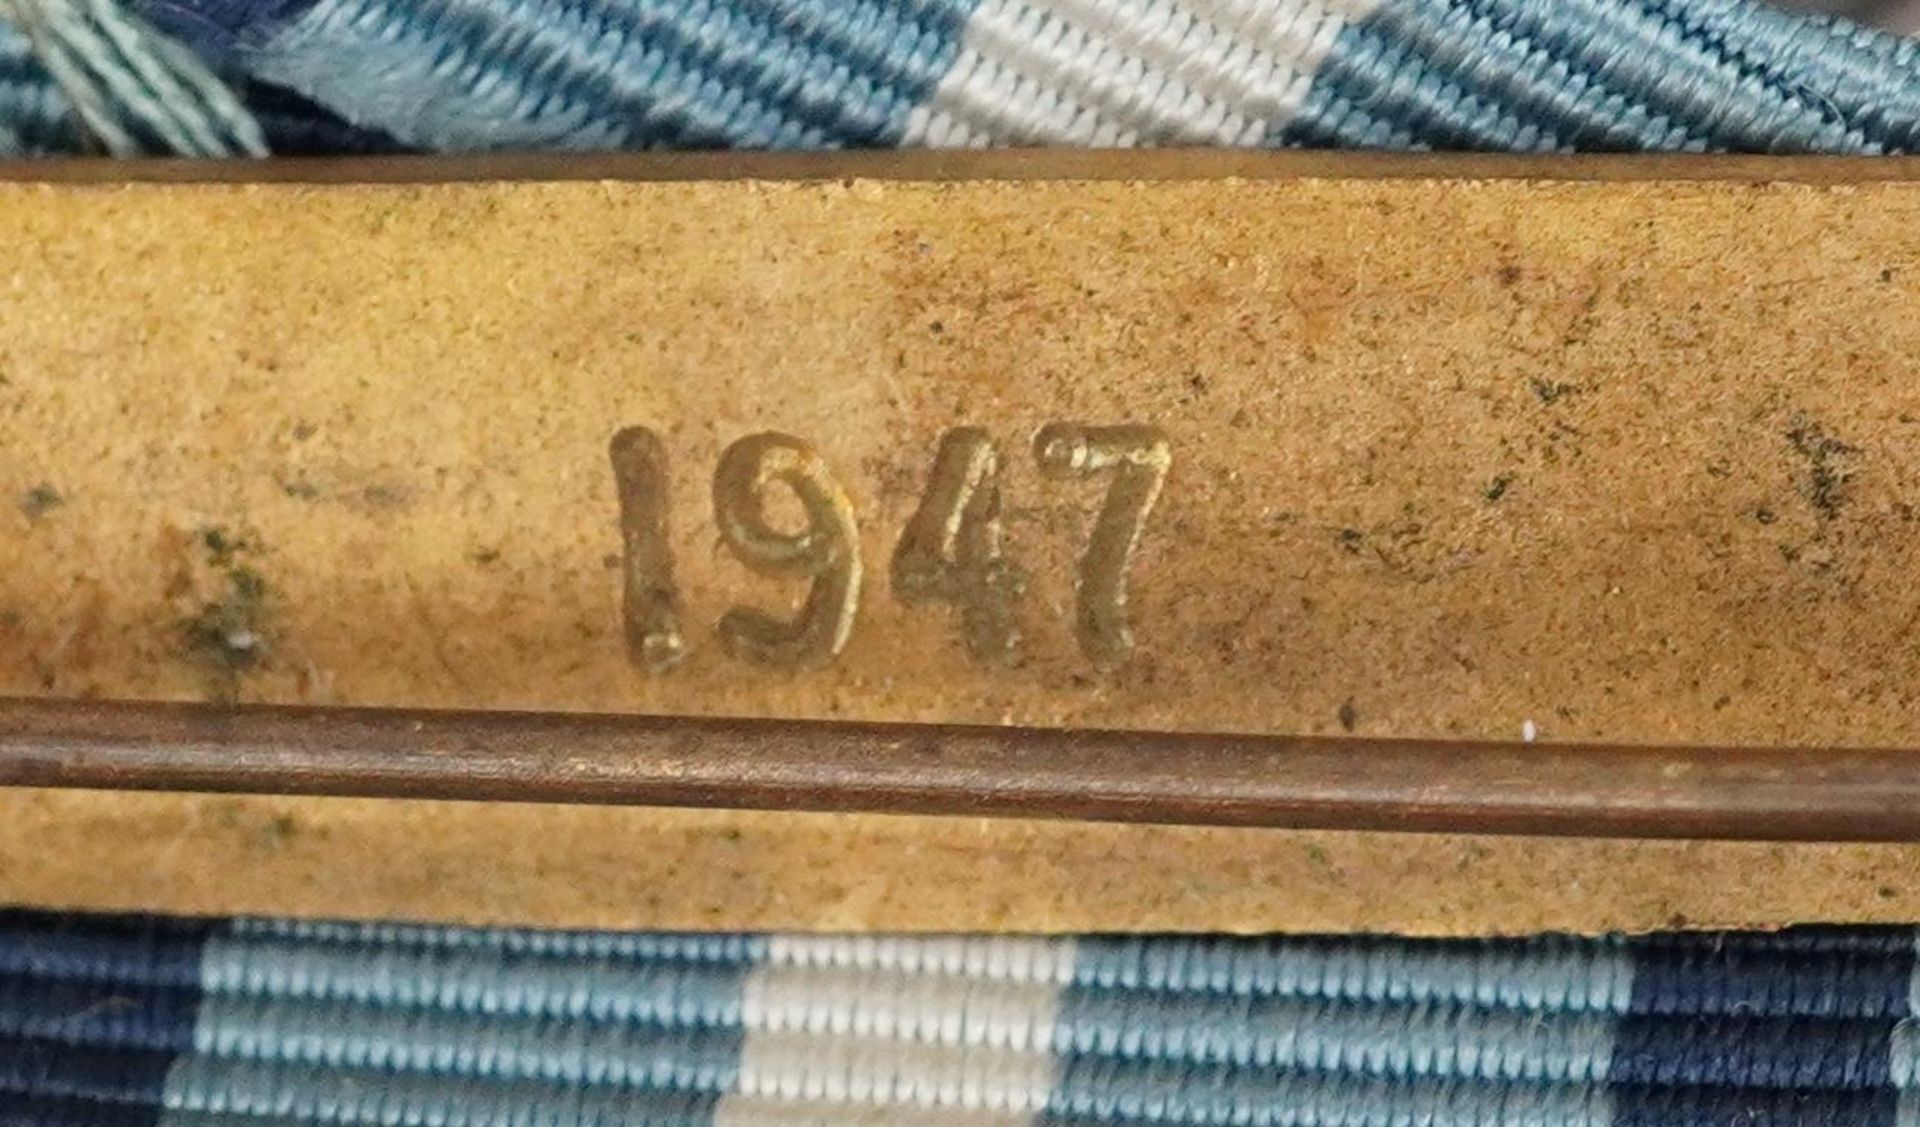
(651, 602)
(950, 549)
(1138, 457)
(826, 551)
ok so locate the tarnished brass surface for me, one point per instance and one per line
(1437, 453)
(1080, 775)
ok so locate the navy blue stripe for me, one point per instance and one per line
(297, 127)
(48, 1111)
(214, 28)
(1895, 941)
(1812, 973)
(1758, 1052)
(140, 951)
(93, 1012)
(31, 1066)
(104, 1015)
(1794, 1027)
(1734, 1107)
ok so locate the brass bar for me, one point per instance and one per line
(1460, 447)
(1349, 783)
(1392, 447)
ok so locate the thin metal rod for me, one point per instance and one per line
(1798, 794)
(941, 165)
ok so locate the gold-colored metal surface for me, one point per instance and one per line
(1462, 449)
(1440, 457)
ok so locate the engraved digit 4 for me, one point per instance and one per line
(950, 549)
(1138, 458)
(826, 551)
(651, 609)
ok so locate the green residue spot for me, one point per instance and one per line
(1830, 464)
(1551, 391)
(224, 633)
(222, 546)
(247, 584)
(280, 830)
(227, 636)
(40, 500)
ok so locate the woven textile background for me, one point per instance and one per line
(355, 75)
(190, 1022)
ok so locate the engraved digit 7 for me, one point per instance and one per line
(950, 549)
(827, 551)
(651, 610)
(1139, 457)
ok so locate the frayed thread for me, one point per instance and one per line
(133, 90)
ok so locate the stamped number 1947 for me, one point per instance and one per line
(951, 550)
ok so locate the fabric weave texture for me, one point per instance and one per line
(121, 1020)
(1498, 75)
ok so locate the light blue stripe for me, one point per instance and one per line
(1870, 77)
(1375, 90)
(1566, 105)
(1369, 1039)
(704, 1057)
(690, 946)
(228, 1119)
(1349, 1032)
(597, 986)
(1636, 47)
(388, 1023)
(468, 74)
(1574, 975)
(1529, 74)
(890, 53)
(35, 118)
(200, 1086)
(1328, 118)
(1092, 1091)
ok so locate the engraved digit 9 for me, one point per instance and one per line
(826, 550)
(1138, 457)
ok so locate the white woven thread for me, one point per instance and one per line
(1129, 72)
(880, 1027)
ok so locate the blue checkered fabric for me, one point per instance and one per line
(1595, 75)
(113, 1020)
